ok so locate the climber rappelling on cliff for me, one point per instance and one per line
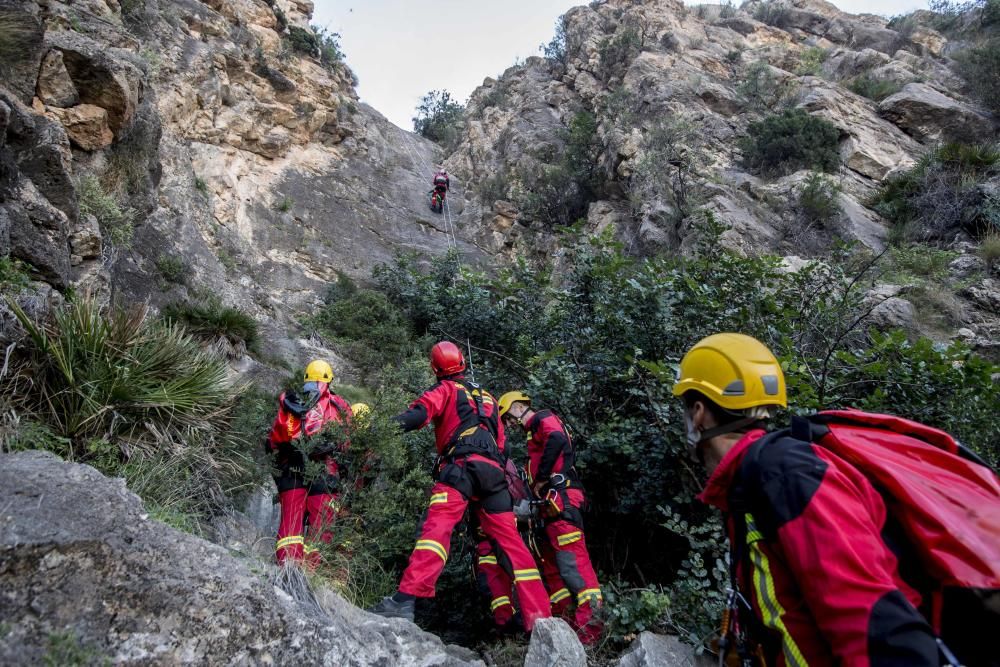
(442, 184)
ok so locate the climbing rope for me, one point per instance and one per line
(419, 161)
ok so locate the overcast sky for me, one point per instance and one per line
(401, 49)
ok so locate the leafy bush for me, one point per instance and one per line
(439, 118)
(818, 200)
(942, 194)
(630, 610)
(773, 13)
(599, 346)
(873, 88)
(794, 139)
(811, 61)
(373, 331)
(674, 160)
(173, 268)
(617, 52)
(114, 218)
(559, 185)
(232, 331)
(980, 65)
(13, 274)
(916, 263)
(760, 89)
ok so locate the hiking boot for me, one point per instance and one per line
(392, 609)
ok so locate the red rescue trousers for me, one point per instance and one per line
(481, 482)
(569, 574)
(495, 581)
(298, 498)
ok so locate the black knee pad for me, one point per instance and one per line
(498, 503)
(570, 573)
(489, 479)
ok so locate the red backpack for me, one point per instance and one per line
(946, 502)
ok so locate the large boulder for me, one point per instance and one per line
(81, 560)
(20, 47)
(554, 644)
(928, 115)
(86, 125)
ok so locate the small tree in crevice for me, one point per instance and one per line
(439, 118)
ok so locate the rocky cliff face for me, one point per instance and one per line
(671, 89)
(636, 65)
(173, 150)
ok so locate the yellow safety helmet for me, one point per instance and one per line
(318, 371)
(360, 409)
(510, 398)
(735, 371)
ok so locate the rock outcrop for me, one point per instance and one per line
(554, 644)
(82, 564)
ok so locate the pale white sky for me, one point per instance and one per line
(401, 49)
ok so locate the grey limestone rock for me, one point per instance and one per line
(554, 644)
(80, 558)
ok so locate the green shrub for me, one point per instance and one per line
(439, 118)
(673, 163)
(980, 65)
(630, 610)
(818, 200)
(918, 263)
(942, 194)
(873, 88)
(728, 10)
(600, 345)
(173, 269)
(759, 88)
(232, 330)
(794, 139)
(617, 52)
(13, 274)
(114, 218)
(285, 204)
(303, 41)
(373, 331)
(772, 13)
(201, 185)
(118, 376)
(65, 649)
(811, 61)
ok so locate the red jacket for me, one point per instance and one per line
(451, 404)
(287, 426)
(815, 567)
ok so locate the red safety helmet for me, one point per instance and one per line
(446, 359)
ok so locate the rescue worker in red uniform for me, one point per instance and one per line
(821, 584)
(469, 441)
(494, 577)
(301, 417)
(566, 566)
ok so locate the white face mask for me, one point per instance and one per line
(693, 434)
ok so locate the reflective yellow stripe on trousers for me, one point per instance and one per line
(770, 606)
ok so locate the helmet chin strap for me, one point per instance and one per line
(726, 428)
